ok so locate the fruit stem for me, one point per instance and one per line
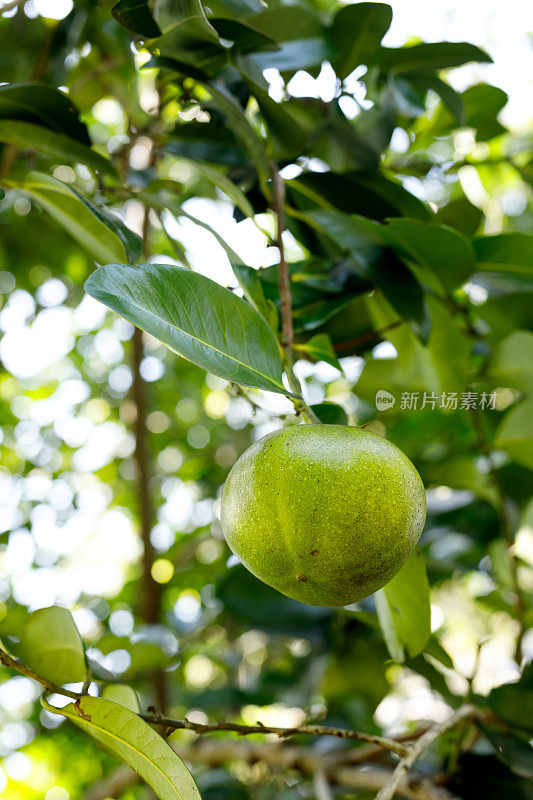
(284, 288)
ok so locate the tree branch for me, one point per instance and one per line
(394, 784)
(18, 666)
(150, 597)
(391, 745)
(284, 289)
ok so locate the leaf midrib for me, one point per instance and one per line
(200, 341)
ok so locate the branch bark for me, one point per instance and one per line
(150, 596)
(284, 289)
(398, 777)
(392, 745)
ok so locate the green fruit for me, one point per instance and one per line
(326, 514)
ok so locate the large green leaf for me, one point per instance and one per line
(135, 15)
(446, 255)
(515, 433)
(356, 33)
(131, 739)
(507, 252)
(195, 317)
(51, 645)
(404, 609)
(300, 33)
(512, 362)
(102, 233)
(370, 194)
(513, 750)
(42, 105)
(437, 55)
(513, 702)
(61, 148)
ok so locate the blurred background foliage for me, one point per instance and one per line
(224, 645)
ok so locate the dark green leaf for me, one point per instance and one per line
(42, 105)
(135, 15)
(513, 702)
(356, 33)
(443, 253)
(517, 753)
(371, 195)
(451, 99)
(61, 148)
(437, 55)
(196, 318)
(330, 413)
(460, 214)
(508, 252)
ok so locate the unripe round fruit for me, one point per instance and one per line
(326, 514)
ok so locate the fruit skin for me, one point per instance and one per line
(326, 514)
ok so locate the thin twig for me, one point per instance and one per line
(415, 750)
(18, 666)
(10, 6)
(391, 745)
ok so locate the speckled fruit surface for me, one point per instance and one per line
(326, 514)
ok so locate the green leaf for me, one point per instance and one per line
(356, 32)
(225, 184)
(252, 287)
(172, 13)
(437, 55)
(365, 241)
(320, 348)
(404, 609)
(61, 148)
(157, 196)
(513, 702)
(42, 105)
(51, 646)
(482, 104)
(450, 98)
(330, 413)
(446, 256)
(103, 234)
(460, 214)
(461, 472)
(508, 252)
(515, 433)
(122, 694)
(370, 194)
(131, 739)
(135, 15)
(512, 362)
(230, 107)
(196, 318)
(517, 753)
(206, 141)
